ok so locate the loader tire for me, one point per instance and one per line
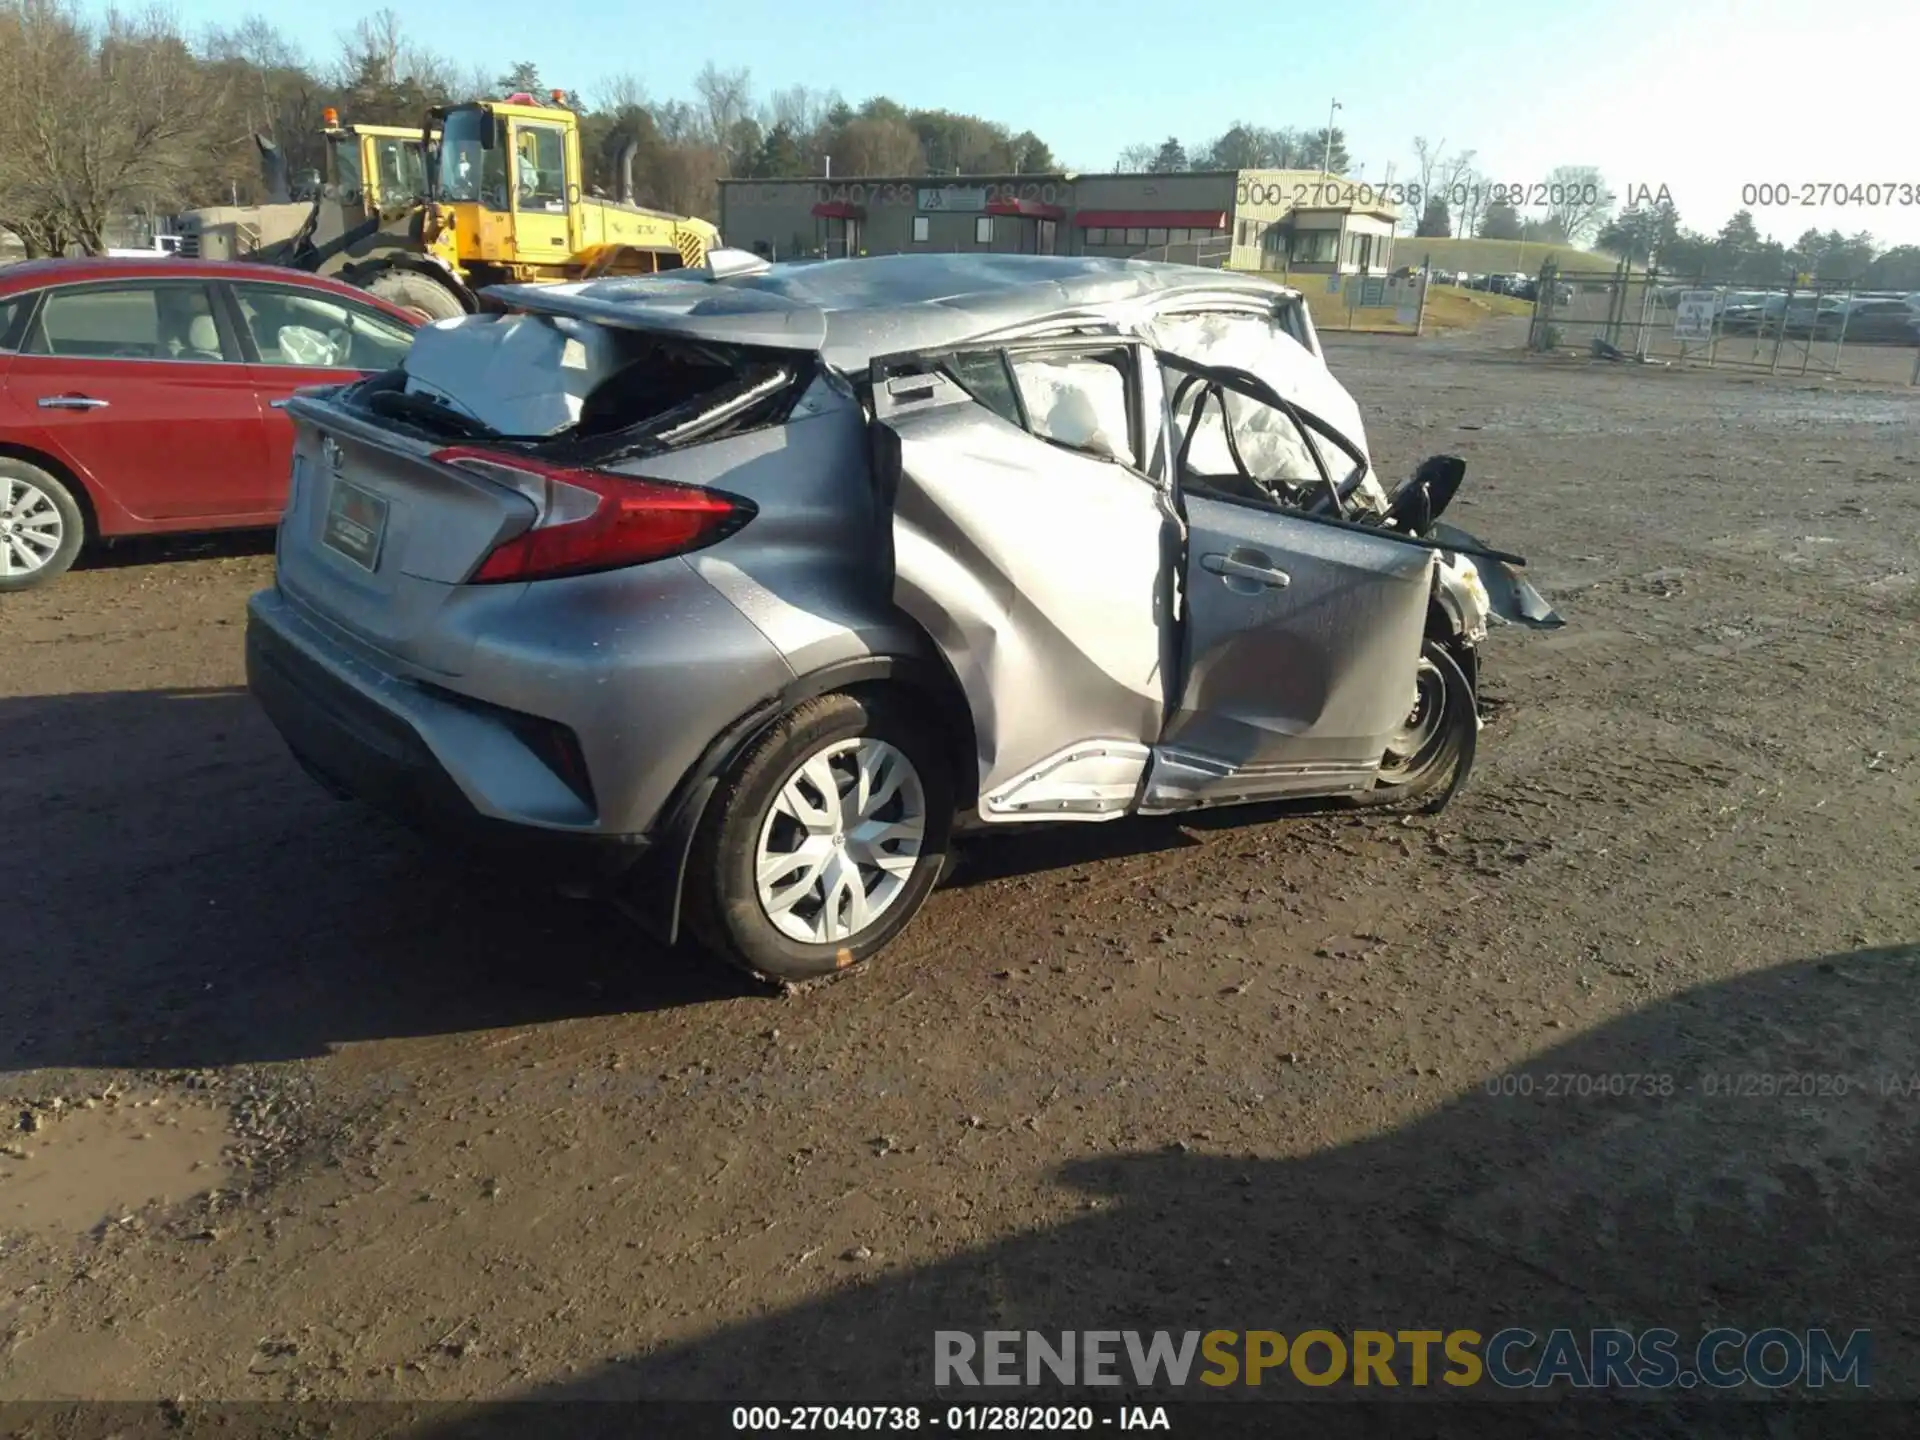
(422, 294)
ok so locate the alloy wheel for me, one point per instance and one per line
(31, 529)
(840, 841)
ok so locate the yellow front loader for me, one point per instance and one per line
(507, 202)
(481, 194)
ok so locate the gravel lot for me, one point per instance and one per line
(467, 1142)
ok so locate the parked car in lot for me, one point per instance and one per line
(795, 570)
(139, 396)
(1800, 316)
(1879, 322)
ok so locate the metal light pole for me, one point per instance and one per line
(1326, 154)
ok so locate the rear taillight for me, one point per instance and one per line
(595, 520)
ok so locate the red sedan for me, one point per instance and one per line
(140, 396)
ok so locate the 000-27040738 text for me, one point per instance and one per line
(1831, 192)
(1032, 1419)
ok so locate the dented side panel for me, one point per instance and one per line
(1301, 646)
(1038, 573)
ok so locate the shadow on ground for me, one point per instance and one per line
(198, 901)
(1551, 1206)
(166, 549)
(191, 899)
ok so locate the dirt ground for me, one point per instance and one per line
(297, 1110)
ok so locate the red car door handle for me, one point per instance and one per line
(71, 402)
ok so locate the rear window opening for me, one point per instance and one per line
(590, 394)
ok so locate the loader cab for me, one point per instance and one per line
(374, 168)
(509, 174)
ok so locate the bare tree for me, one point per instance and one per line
(725, 99)
(103, 116)
(98, 121)
(254, 42)
(685, 180)
(680, 124)
(370, 52)
(271, 92)
(1470, 189)
(386, 78)
(802, 111)
(878, 147)
(1136, 159)
(1578, 201)
(621, 92)
(1441, 175)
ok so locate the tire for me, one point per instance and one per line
(1430, 757)
(42, 526)
(786, 930)
(422, 294)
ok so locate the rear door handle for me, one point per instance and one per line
(1229, 568)
(71, 402)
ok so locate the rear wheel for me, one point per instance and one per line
(41, 526)
(1429, 756)
(422, 294)
(823, 842)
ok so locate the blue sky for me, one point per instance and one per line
(1702, 96)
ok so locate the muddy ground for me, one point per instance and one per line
(301, 1111)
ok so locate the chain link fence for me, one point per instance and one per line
(1393, 304)
(1804, 327)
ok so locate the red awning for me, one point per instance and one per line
(1033, 209)
(1152, 219)
(839, 210)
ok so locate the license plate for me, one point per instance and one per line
(356, 524)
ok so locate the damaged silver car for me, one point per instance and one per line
(735, 594)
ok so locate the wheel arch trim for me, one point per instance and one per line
(75, 484)
(930, 680)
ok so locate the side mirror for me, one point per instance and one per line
(1420, 501)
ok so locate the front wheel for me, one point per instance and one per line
(1430, 755)
(823, 842)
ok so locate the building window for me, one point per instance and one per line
(920, 230)
(1316, 247)
(1157, 236)
(1177, 236)
(1136, 237)
(983, 230)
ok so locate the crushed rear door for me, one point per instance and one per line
(1038, 569)
(1301, 638)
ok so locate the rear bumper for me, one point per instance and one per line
(363, 735)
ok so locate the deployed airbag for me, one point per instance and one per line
(515, 374)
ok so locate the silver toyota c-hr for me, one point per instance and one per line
(736, 592)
